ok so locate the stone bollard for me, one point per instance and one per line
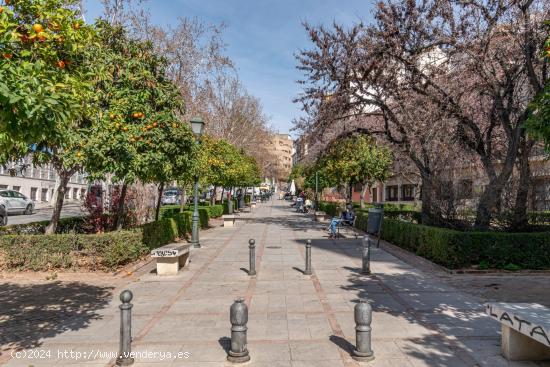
(252, 247)
(363, 318)
(308, 258)
(366, 255)
(238, 314)
(124, 358)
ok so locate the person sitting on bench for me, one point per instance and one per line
(346, 217)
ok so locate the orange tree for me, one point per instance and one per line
(47, 78)
(139, 135)
(44, 75)
(356, 159)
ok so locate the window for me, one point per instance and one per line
(44, 195)
(75, 193)
(17, 188)
(375, 195)
(392, 193)
(465, 189)
(407, 192)
(34, 192)
(3, 187)
(4, 194)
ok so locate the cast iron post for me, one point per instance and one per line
(238, 315)
(308, 258)
(125, 349)
(252, 247)
(363, 318)
(366, 255)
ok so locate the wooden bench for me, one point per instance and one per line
(171, 258)
(229, 220)
(525, 330)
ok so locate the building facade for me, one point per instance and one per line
(39, 182)
(282, 148)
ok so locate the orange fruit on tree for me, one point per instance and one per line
(1, 9)
(76, 26)
(38, 27)
(41, 36)
(112, 116)
(117, 125)
(125, 128)
(61, 64)
(135, 115)
(7, 55)
(155, 124)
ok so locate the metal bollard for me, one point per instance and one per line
(252, 247)
(363, 318)
(238, 314)
(308, 258)
(124, 358)
(366, 255)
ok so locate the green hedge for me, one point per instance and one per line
(455, 249)
(66, 225)
(103, 251)
(159, 233)
(329, 208)
(215, 211)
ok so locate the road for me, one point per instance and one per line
(44, 214)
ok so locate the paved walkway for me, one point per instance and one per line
(294, 320)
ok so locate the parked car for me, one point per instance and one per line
(171, 197)
(15, 202)
(3, 216)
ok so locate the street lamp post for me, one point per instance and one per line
(197, 125)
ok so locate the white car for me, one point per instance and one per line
(15, 202)
(171, 197)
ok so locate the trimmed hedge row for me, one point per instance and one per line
(214, 211)
(455, 249)
(329, 208)
(66, 225)
(104, 251)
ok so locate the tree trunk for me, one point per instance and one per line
(520, 220)
(223, 193)
(350, 192)
(364, 189)
(119, 220)
(213, 198)
(64, 177)
(159, 200)
(489, 201)
(427, 212)
(182, 199)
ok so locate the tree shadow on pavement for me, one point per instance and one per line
(32, 312)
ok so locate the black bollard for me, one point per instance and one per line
(252, 248)
(238, 315)
(125, 349)
(363, 318)
(308, 258)
(366, 255)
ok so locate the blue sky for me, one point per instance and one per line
(262, 37)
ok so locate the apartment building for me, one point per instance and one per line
(282, 147)
(39, 182)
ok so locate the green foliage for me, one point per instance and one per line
(66, 225)
(46, 71)
(105, 251)
(454, 249)
(329, 208)
(159, 233)
(215, 211)
(204, 217)
(356, 159)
